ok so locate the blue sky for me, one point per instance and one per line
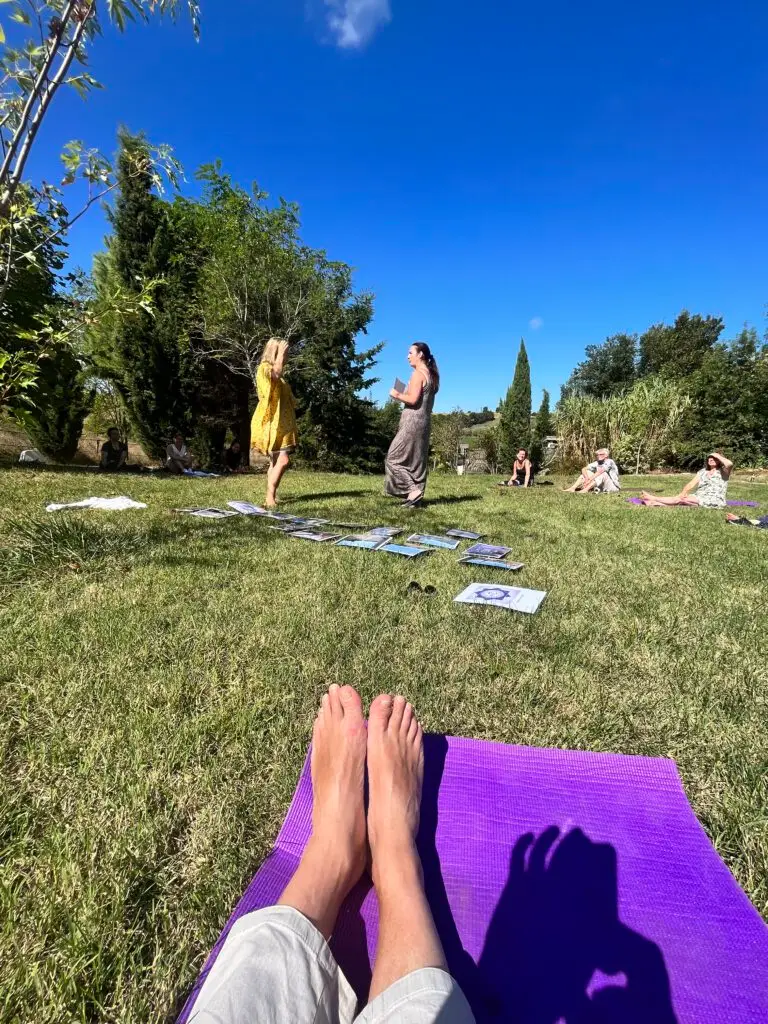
(493, 170)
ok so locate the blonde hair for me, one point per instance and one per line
(269, 355)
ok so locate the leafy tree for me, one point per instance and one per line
(679, 349)
(729, 403)
(259, 280)
(33, 74)
(515, 422)
(484, 416)
(108, 410)
(30, 293)
(388, 417)
(329, 374)
(488, 442)
(447, 431)
(34, 70)
(607, 369)
(543, 427)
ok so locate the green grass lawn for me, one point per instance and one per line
(159, 675)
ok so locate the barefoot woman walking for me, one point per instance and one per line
(408, 457)
(273, 428)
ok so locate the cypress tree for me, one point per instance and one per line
(515, 422)
(542, 428)
(153, 352)
(62, 400)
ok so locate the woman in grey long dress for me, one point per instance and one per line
(408, 456)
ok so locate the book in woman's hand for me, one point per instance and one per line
(398, 385)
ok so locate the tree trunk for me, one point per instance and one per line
(243, 425)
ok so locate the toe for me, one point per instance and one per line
(413, 729)
(398, 710)
(408, 717)
(351, 704)
(381, 711)
(325, 707)
(334, 701)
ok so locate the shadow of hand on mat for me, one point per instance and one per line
(555, 948)
(555, 951)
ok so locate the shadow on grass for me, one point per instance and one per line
(325, 494)
(455, 499)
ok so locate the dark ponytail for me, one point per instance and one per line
(423, 349)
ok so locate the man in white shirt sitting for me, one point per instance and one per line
(600, 476)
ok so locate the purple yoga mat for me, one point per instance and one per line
(566, 886)
(731, 501)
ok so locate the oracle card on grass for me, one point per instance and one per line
(361, 540)
(407, 550)
(207, 513)
(514, 599)
(432, 541)
(315, 535)
(384, 531)
(247, 508)
(486, 551)
(492, 563)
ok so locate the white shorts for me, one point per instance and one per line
(276, 968)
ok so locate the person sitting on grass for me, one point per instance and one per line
(232, 458)
(114, 452)
(177, 456)
(600, 476)
(275, 964)
(522, 471)
(710, 484)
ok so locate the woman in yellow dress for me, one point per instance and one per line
(273, 428)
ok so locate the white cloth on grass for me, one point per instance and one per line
(32, 455)
(276, 967)
(110, 504)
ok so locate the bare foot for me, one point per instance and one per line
(334, 857)
(338, 770)
(395, 775)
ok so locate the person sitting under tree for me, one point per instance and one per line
(114, 452)
(710, 484)
(232, 458)
(600, 476)
(522, 471)
(276, 964)
(177, 456)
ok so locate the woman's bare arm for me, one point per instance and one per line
(690, 486)
(412, 393)
(527, 473)
(279, 364)
(725, 464)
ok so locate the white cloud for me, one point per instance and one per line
(354, 22)
(536, 323)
